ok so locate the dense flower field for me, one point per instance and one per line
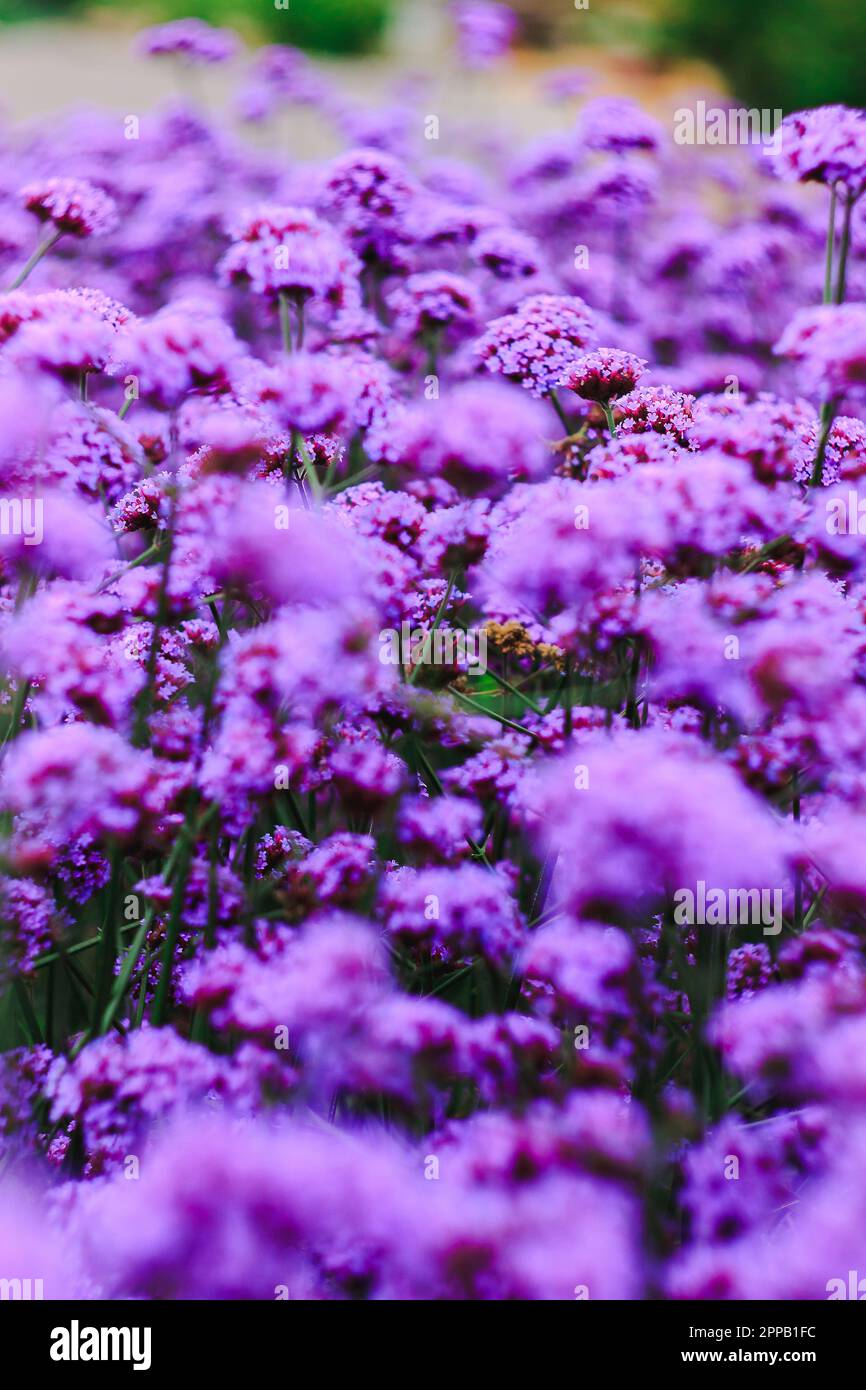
(433, 623)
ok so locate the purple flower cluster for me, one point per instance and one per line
(485, 30)
(70, 205)
(433, 713)
(605, 374)
(826, 145)
(192, 40)
(537, 344)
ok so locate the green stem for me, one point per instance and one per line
(563, 418)
(828, 415)
(142, 987)
(145, 699)
(764, 553)
(16, 712)
(491, 714)
(42, 250)
(814, 907)
(633, 678)
(122, 981)
(521, 695)
(141, 559)
(108, 946)
(828, 409)
(844, 248)
(309, 470)
(172, 931)
(297, 814)
(360, 477)
(75, 950)
(433, 777)
(425, 651)
(285, 321)
(831, 247)
(28, 1014)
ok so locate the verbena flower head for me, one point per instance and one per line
(177, 351)
(65, 334)
(114, 1088)
(674, 819)
(72, 206)
(290, 250)
(660, 409)
(439, 829)
(79, 780)
(474, 912)
(433, 301)
(32, 918)
(547, 568)
(581, 969)
(507, 253)
(310, 392)
(193, 40)
(537, 344)
(774, 436)
(604, 374)
(369, 195)
(478, 438)
(74, 541)
(485, 30)
(248, 542)
(829, 343)
(615, 125)
(824, 145)
(30, 1242)
(560, 84)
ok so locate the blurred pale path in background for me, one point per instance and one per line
(49, 66)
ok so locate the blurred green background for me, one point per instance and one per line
(774, 53)
(326, 26)
(786, 53)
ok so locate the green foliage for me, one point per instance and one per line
(11, 10)
(328, 26)
(775, 53)
(324, 26)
